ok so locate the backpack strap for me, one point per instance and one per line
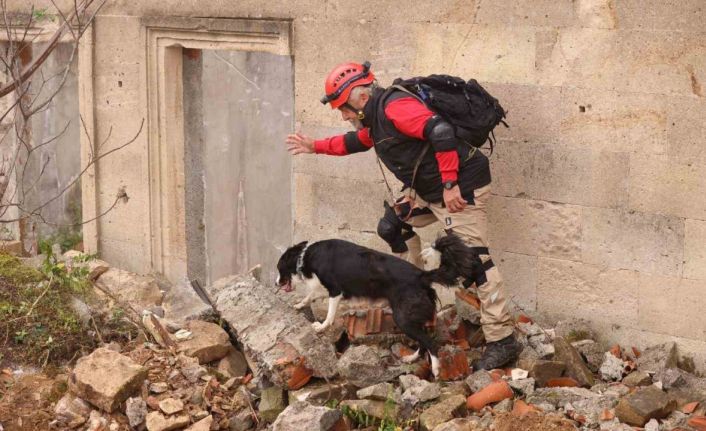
(426, 147)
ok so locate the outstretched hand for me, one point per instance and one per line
(299, 144)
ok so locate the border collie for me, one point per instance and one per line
(347, 270)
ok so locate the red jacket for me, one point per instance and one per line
(410, 117)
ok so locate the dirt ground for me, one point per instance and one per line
(26, 404)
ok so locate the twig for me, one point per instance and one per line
(36, 301)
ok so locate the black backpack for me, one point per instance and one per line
(467, 106)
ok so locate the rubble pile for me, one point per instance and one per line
(269, 370)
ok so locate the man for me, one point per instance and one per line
(445, 180)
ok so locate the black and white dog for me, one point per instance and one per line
(347, 270)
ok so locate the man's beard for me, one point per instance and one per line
(357, 124)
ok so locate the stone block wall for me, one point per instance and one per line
(598, 209)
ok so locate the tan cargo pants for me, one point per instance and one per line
(471, 225)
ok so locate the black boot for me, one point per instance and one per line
(498, 353)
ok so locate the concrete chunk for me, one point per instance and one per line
(276, 345)
(657, 358)
(106, 378)
(442, 412)
(638, 408)
(208, 343)
(304, 416)
(575, 366)
(271, 403)
(157, 422)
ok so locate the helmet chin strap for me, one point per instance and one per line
(361, 115)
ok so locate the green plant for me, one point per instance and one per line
(41, 14)
(66, 237)
(72, 277)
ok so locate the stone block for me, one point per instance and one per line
(685, 128)
(680, 15)
(578, 290)
(271, 403)
(362, 366)
(202, 425)
(156, 421)
(659, 185)
(535, 228)
(342, 203)
(106, 378)
(538, 13)
(380, 392)
(233, 364)
(442, 412)
(671, 305)
(657, 358)
(519, 273)
(694, 251)
(643, 242)
(542, 371)
(208, 343)
(648, 403)
(376, 409)
(531, 113)
(637, 378)
(575, 366)
(620, 60)
(588, 177)
(140, 291)
(304, 416)
(613, 121)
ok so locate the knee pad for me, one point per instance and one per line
(394, 231)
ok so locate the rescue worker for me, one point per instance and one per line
(446, 181)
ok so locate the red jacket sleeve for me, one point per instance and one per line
(341, 145)
(410, 117)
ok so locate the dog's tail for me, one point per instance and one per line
(456, 260)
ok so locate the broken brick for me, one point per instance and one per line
(615, 351)
(698, 422)
(453, 363)
(607, 415)
(689, 408)
(521, 408)
(299, 376)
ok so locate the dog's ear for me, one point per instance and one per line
(281, 248)
(301, 244)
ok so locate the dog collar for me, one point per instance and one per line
(300, 261)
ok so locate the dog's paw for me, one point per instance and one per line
(410, 358)
(318, 327)
(300, 305)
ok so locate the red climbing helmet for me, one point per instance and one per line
(342, 79)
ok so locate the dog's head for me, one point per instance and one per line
(287, 266)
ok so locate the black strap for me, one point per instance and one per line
(481, 278)
(480, 250)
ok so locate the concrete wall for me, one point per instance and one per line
(598, 209)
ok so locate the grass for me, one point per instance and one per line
(39, 324)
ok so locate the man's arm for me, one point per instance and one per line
(340, 145)
(413, 118)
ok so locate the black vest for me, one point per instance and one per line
(400, 154)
